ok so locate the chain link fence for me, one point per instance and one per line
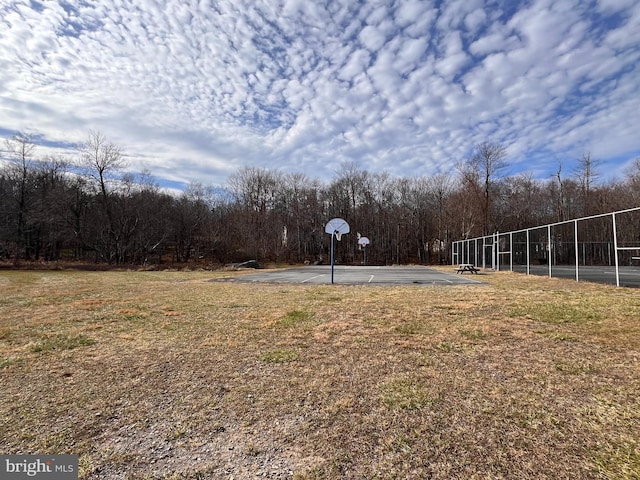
(601, 248)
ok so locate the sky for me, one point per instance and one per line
(193, 90)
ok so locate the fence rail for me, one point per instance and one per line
(603, 248)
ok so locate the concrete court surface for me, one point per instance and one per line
(629, 275)
(361, 275)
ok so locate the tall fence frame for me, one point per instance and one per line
(499, 251)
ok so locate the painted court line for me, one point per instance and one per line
(311, 278)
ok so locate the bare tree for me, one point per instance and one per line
(50, 207)
(190, 217)
(440, 187)
(564, 197)
(523, 202)
(299, 208)
(20, 149)
(490, 160)
(255, 191)
(102, 160)
(633, 171)
(480, 174)
(560, 203)
(633, 181)
(353, 180)
(586, 175)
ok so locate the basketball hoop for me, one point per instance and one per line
(335, 227)
(362, 243)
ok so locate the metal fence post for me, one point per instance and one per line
(511, 251)
(615, 249)
(454, 255)
(475, 252)
(549, 248)
(575, 235)
(484, 252)
(528, 254)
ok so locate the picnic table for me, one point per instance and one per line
(466, 267)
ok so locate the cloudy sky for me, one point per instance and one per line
(194, 89)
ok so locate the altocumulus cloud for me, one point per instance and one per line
(192, 90)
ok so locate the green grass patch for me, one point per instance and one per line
(279, 356)
(6, 362)
(619, 461)
(473, 334)
(61, 342)
(447, 346)
(557, 313)
(406, 394)
(293, 318)
(575, 368)
(414, 328)
(561, 336)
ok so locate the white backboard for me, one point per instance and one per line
(337, 225)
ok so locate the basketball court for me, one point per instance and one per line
(360, 275)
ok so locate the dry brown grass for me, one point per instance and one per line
(172, 375)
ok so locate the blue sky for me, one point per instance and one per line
(192, 90)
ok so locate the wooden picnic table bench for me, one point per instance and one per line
(466, 267)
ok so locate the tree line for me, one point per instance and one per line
(91, 210)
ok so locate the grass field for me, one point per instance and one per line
(153, 375)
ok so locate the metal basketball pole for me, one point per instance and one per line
(332, 235)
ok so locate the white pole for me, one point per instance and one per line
(576, 244)
(494, 248)
(528, 255)
(549, 248)
(475, 246)
(468, 258)
(511, 251)
(615, 249)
